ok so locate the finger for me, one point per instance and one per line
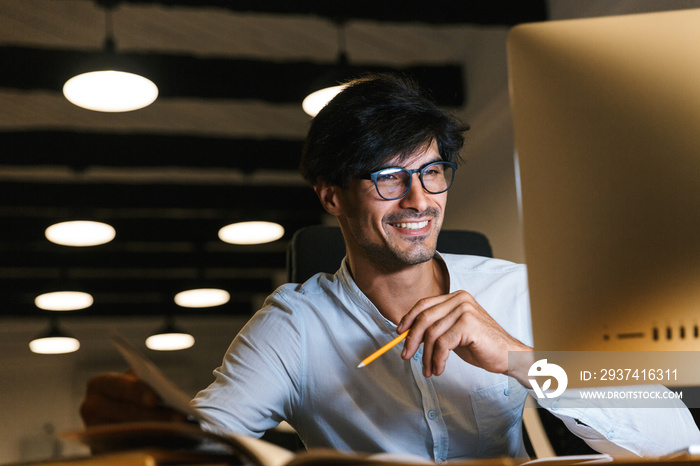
(408, 319)
(418, 319)
(410, 345)
(123, 387)
(448, 341)
(437, 343)
(449, 331)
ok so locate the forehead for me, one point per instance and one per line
(426, 154)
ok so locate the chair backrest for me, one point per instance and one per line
(321, 248)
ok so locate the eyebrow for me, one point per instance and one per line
(439, 159)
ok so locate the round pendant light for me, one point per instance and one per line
(63, 301)
(110, 91)
(314, 102)
(328, 85)
(54, 342)
(169, 338)
(80, 233)
(111, 82)
(251, 232)
(54, 345)
(202, 297)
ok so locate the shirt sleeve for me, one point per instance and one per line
(259, 380)
(621, 430)
(627, 430)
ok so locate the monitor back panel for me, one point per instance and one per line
(607, 131)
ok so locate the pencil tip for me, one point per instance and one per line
(362, 364)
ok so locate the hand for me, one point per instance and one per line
(456, 322)
(122, 397)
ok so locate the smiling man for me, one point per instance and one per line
(381, 157)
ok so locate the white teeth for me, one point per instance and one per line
(412, 226)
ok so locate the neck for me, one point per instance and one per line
(395, 292)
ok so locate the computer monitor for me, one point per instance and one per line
(607, 132)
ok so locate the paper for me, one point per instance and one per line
(570, 460)
(147, 371)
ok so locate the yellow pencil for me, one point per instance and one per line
(383, 349)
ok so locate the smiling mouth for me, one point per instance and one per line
(411, 225)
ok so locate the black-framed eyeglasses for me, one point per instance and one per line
(394, 182)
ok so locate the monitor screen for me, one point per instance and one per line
(607, 131)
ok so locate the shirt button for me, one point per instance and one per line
(555, 406)
(416, 356)
(611, 435)
(431, 414)
(506, 392)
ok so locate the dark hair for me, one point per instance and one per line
(373, 119)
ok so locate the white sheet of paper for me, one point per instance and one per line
(147, 371)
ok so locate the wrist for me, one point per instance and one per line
(520, 358)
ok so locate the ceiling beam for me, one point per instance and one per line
(490, 12)
(119, 256)
(250, 199)
(185, 76)
(81, 150)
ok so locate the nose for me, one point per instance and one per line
(416, 198)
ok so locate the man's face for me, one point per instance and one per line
(398, 233)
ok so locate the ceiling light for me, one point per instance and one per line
(110, 84)
(314, 102)
(202, 297)
(80, 233)
(110, 91)
(63, 301)
(54, 342)
(169, 338)
(251, 233)
(328, 85)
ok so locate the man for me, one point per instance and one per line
(381, 157)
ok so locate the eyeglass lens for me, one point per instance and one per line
(393, 183)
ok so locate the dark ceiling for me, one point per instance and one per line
(168, 192)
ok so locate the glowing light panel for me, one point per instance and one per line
(63, 301)
(251, 233)
(80, 233)
(314, 102)
(170, 341)
(202, 297)
(110, 91)
(54, 345)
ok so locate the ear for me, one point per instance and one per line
(330, 197)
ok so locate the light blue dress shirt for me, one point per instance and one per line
(296, 360)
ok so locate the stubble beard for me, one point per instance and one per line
(393, 256)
